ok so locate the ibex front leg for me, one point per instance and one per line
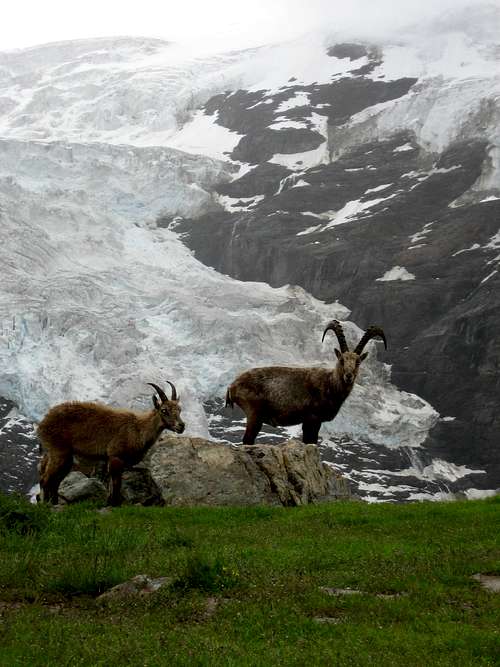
(254, 424)
(115, 467)
(310, 432)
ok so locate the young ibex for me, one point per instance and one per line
(282, 396)
(94, 431)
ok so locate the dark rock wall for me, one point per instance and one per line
(443, 324)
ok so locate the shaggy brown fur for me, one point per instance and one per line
(283, 396)
(94, 431)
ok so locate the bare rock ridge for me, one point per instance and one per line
(194, 471)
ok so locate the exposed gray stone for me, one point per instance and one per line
(139, 586)
(194, 471)
(76, 487)
(489, 581)
(339, 592)
(138, 486)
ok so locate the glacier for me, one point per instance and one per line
(98, 299)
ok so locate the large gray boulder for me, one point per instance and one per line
(195, 471)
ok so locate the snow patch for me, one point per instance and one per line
(353, 209)
(403, 148)
(379, 188)
(479, 494)
(494, 242)
(421, 235)
(287, 124)
(301, 161)
(203, 136)
(474, 246)
(233, 204)
(310, 230)
(299, 99)
(396, 273)
(490, 275)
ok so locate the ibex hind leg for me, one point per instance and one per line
(252, 430)
(310, 432)
(115, 467)
(53, 469)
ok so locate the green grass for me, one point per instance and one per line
(246, 585)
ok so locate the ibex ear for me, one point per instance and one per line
(337, 353)
(156, 403)
(363, 356)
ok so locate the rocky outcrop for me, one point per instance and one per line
(379, 229)
(194, 471)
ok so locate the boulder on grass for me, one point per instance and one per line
(195, 471)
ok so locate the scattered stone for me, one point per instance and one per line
(104, 510)
(138, 487)
(211, 605)
(331, 620)
(489, 581)
(58, 508)
(76, 487)
(139, 586)
(337, 592)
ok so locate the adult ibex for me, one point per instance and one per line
(94, 431)
(284, 396)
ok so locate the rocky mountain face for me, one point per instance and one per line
(406, 234)
(166, 217)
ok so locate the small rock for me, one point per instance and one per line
(331, 620)
(139, 488)
(211, 605)
(489, 581)
(77, 486)
(104, 510)
(336, 592)
(58, 508)
(138, 586)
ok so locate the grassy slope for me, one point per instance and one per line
(265, 567)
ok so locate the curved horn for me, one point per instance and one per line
(371, 332)
(159, 391)
(335, 326)
(174, 393)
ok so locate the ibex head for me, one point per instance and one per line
(169, 409)
(349, 362)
